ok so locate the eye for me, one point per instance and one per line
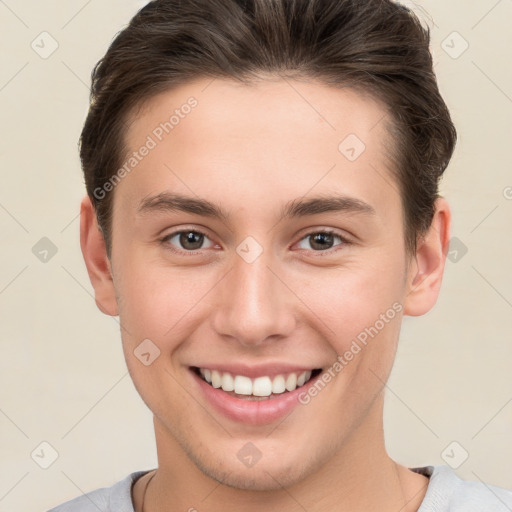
(321, 241)
(188, 240)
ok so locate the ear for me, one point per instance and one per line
(427, 267)
(96, 259)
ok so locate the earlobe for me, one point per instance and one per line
(96, 259)
(426, 271)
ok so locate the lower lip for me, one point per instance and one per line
(252, 412)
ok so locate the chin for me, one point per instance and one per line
(268, 474)
(261, 479)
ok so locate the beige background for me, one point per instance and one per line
(63, 376)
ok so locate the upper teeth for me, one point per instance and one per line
(261, 386)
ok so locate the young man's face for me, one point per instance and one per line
(263, 293)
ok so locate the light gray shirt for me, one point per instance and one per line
(446, 492)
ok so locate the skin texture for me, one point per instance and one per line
(252, 149)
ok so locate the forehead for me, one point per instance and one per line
(263, 107)
(280, 136)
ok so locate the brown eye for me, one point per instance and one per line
(321, 241)
(191, 240)
(187, 240)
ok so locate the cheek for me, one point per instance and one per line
(156, 306)
(349, 300)
(160, 306)
(159, 302)
(359, 308)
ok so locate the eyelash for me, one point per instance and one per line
(343, 241)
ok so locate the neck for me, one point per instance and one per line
(360, 476)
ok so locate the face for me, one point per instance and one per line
(259, 243)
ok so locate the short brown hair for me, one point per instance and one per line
(375, 46)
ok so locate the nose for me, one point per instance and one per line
(253, 304)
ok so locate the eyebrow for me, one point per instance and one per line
(168, 202)
(323, 204)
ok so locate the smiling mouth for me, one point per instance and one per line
(260, 388)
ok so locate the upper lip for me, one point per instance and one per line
(258, 370)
